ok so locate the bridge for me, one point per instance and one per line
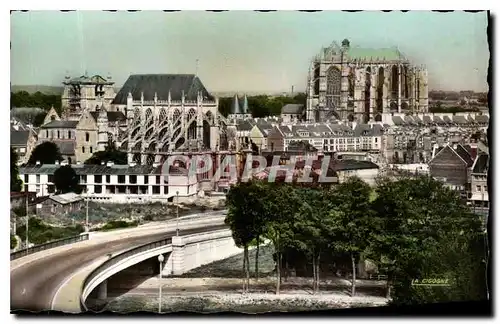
(62, 278)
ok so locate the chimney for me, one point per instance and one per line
(109, 164)
(37, 162)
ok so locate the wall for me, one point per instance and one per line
(192, 251)
(367, 175)
(88, 125)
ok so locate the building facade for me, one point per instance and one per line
(167, 113)
(351, 83)
(86, 93)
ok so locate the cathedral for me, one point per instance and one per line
(360, 84)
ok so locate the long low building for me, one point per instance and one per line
(116, 183)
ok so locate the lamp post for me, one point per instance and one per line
(177, 214)
(160, 259)
(87, 215)
(27, 222)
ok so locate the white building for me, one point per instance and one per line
(116, 183)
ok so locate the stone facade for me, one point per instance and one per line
(167, 113)
(86, 93)
(350, 83)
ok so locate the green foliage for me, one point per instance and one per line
(20, 211)
(413, 228)
(110, 154)
(423, 230)
(262, 105)
(13, 241)
(118, 224)
(15, 182)
(66, 180)
(45, 153)
(39, 232)
(37, 99)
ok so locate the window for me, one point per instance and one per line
(121, 178)
(157, 179)
(51, 188)
(58, 134)
(37, 178)
(51, 178)
(146, 179)
(376, 139)
(26, 178)
(485, 188)
(478, 188)
(108, 178)
(156, 190)
(91, 149)
(87, 137)
(132, 179)
(37, 189)
(83, 149)
(83, 178)
(98, 178)
(69, 134)
(46, 133)
(165, 190)
(97, 189)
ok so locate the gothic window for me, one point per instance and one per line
(351, 83)
(406, 86)
(87, 137)
(394, 81)
(333, 78)
(380, 89)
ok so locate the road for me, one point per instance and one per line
(34, 285)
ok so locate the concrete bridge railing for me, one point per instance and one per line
(183, 253)
(97, 278)
(49, 245)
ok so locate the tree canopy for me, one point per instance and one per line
(412, 228)
(45, 153)
(15, 182)
(263, 105)
(66, 180)
(110, 154)
(37, 99)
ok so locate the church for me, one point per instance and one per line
(360, 84)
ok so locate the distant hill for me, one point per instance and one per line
(48, 90)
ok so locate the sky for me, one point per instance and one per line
(240, 51)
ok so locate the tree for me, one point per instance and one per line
(15, 183)
(423, 230)
(110, 154)
(350, 220)
(281, 202)
(309, 232)
(45, 153)
(243, 214)
(66, 180)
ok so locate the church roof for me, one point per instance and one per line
(113, 116)
(385, 54)
(161, 84)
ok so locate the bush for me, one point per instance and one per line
(40, 232)
(118, 224)
(13, 241)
